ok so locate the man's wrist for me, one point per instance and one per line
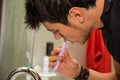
(84, 74)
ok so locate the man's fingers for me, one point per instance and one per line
(55, 52)
(53, 59)
(66, 53)
(52, 64)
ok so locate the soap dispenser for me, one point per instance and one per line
(49, 48)
(47, 73)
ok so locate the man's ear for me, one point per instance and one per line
(77, 13)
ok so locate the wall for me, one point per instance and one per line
(0, 12)
(13, 40)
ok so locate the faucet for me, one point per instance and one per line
(23, 71)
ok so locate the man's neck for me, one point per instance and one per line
(100, 6)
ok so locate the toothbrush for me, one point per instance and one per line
(60, 54)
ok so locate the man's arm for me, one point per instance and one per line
(106, 76)
(117, 68)
(70, 67)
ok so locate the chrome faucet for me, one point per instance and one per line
(23, 71)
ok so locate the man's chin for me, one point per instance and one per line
(81, 42)
(72, 42)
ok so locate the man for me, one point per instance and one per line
(73, 20)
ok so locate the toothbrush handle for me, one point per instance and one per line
(60, 54)
(56, 66)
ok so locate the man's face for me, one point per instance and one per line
(81, 22)
(70, 33)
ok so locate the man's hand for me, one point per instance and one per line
(69, 66)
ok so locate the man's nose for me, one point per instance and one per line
(57, 36)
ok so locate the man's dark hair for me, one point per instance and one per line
(38, 11)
